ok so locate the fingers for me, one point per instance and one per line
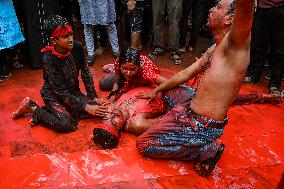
(14, 115)
(97, 110)
(103, 109)
(142, 95)
(150, 101)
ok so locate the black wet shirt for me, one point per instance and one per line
(61, 82)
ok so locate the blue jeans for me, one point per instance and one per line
(89, 37)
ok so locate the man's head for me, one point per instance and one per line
(107, 134)
(221, 15)
(59, 32)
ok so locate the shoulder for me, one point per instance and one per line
(77, 51)
(48, 57)
(77, 45)
(145, 61)
(49, 62)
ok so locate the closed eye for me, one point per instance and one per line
(113, 122)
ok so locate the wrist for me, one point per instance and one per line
(87, 108)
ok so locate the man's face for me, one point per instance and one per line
(217, 14)
(65, 42)
(129, 69)
(117, 119)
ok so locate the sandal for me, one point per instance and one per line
(1, 78)
(116, 54)
(206, 167)
(175, 56)
(157, 52)
(99, 51)
(182, 50)
(274, 90)
(190, 49)
(16, 63)
(5, 73)
(249, 80)
(90, 60)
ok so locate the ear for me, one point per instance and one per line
(229, 19)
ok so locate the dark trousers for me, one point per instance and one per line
(174, 10)
(200, 12)
(186, 6)
(56, 116)
(101, 30)
(267, 36)
(4, 64)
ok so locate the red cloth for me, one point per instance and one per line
(52, 50)
(147, 74)
(108, 128)
(60, 31)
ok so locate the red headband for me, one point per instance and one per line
(60, 31)
(108, 128)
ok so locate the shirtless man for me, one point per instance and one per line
(128, 114)
(189, 132)
(135, 116)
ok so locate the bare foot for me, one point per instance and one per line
(24, 108)
(272, 98)
(32, 123)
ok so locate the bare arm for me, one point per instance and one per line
(186, 74)
(179, 78)
(161, 80)
(240, 30)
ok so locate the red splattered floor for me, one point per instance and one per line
(40, 158)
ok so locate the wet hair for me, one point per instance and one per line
(232, 7)
(105, 139)
(53, 22)
(129, 55)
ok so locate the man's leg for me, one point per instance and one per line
(199, 11)
(53, 116)
(89, 39)
(259, 44)
(186, 6)
(245, 99)
(277, 48)
(106, 84)
(181, 95)
(56, 117)
(174, 8)
(136, 27)
(172, 137)
(112, 35)
(158, 7)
